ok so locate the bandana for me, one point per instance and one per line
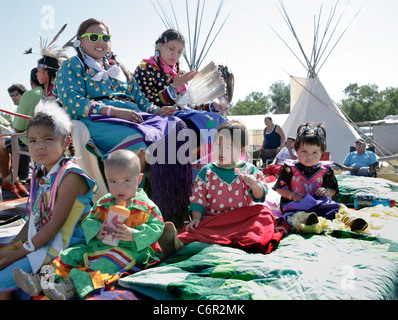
(171, 70)
(113, 72)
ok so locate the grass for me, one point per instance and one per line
(389, 172)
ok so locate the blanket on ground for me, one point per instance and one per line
(343, 265)
(352, 186)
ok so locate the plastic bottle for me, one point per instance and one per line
(116, 214)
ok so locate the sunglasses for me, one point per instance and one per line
(94, 37)
(14, 95)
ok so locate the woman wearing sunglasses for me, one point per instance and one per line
(99, 91)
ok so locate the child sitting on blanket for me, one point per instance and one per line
(307, 184)
(227, 202)
(60, 196)
(86, 267)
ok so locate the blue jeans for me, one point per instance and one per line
(7, 282)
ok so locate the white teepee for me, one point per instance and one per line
(313, 103)
(309, 100)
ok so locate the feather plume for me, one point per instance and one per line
(61, 120)
(69, 43)
(226, 99)
(51, 49)
(28, 51)
(206, 86)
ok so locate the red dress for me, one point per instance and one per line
(230, 214)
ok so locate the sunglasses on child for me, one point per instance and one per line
(94, 37)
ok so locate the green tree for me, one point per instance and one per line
(362, 103)
(390, 101)
(280, 97)
(254, 103)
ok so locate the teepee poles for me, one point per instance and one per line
(324, 42)
(197, 51)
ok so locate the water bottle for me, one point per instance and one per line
(116, 214)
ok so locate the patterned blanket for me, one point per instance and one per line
(342, 265)
(352, 186)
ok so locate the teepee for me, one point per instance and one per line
(309, 100)
(197, 47)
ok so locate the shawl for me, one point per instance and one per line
(172, 70)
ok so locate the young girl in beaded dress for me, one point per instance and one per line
(307, 184)
(60, 194)
(227, 203)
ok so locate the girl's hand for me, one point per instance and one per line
(123, 232)
(220, 108)
(9, 257)
(250, 180)
(127, 114)
(166, 111)
(182, 79)
(102, 233)
(254, 185)
(324, 192)
(192, 224)
(296, 197)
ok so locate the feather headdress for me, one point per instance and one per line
(51, 49)
(61, 120)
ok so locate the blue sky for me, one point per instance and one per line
(366, 54)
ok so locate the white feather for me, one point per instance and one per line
(207, 85)
(61, 120)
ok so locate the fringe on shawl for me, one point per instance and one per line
(171, 184)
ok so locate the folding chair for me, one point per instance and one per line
(16, 149)
(16, 153)
(373, 171)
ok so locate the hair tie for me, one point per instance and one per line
(320, 133)
(303, 131)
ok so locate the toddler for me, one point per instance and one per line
(227, 203)
(307, 184)
(142, 228)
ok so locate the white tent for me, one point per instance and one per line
(255, 125)
(384, 132)
(309, 100)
